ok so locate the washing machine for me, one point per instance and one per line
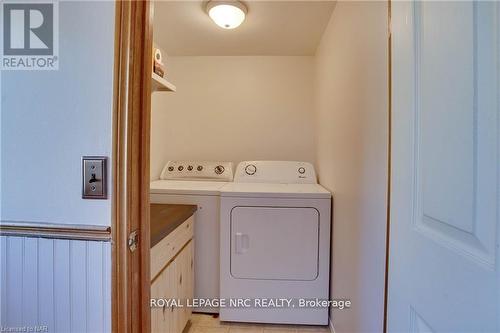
(198, 183)
(275, 244)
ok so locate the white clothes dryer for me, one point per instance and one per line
(275, 243)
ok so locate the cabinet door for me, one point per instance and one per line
(156, 313)
(181, 281)
(175, 282)
(163, 287)
(184, 285)
(190, 276)
(159, 290)
(171, 294)
(186, 282)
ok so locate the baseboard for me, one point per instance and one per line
(332, 330)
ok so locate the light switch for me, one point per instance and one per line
(94, 177)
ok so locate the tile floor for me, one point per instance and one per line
(204, 323)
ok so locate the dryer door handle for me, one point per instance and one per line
(242, 243)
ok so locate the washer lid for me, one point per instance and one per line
(186, 187)
(262, 190)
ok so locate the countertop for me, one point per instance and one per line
(166, 217)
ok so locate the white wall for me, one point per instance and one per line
(233, 109)
(50, 119)
(351, 144)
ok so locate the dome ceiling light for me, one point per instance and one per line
(227, 14)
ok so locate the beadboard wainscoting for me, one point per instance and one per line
(62, 284)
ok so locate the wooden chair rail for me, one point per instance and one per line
(53, 230)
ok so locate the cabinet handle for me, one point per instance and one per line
(180, 279)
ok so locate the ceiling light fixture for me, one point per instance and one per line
(227, 14)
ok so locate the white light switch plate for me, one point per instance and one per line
(94, 177)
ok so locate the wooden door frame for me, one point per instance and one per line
(130, 281)
(131, 135)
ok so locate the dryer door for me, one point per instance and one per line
(274, 243)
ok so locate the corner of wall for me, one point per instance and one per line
(330, 326)
(351, 133)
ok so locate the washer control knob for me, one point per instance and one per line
(180, 168)
(302, 170)
(219, 169)
(250, 169)
(190, 167)
(170, 168)
(199, 168)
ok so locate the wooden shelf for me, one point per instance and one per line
(160, 84)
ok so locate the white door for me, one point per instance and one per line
(444, 236)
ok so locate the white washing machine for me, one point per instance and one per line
(275, 243)
(198, 183)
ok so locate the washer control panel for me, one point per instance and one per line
(277, 172)
(193, 170)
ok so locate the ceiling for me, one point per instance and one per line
(182, 28)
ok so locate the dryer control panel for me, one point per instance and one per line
(275, 172)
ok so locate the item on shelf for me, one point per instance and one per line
(158, 69)
(158, 61)
(157, 55)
